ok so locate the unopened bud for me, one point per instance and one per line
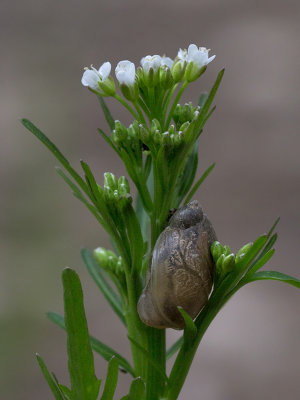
(110, 181)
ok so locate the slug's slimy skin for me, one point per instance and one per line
(181, 270)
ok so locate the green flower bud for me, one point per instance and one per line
(227, 250)
(244, 250)
(134, 130)
(144, 133)
(108, 87)
(216, 250)
(130, 93)
(193, 71)
(120, 131)
(228, 263)
(178, 70)
(165, 77)
(110, 181)
(123, 186)
(219, 264)
(106, 259)
(155, 126)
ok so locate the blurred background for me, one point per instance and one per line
(252, 349)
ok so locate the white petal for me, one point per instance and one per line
(90, 78)
(210, 59)
(167, 61)
(104, 70)
(182, 54)
(192, 50)
(125, 72)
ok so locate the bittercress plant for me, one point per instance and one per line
(160, 152)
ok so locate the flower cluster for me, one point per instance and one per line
(187, 66)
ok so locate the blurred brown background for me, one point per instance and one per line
(252, 350)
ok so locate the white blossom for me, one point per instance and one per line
(153, 62)
(198, 56)
(92, 76)
(125, 73)
(167, 61)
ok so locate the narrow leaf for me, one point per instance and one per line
(109, 141)
(51, 146)
(137, 389)
(261, 262)
(111, 380)
(146, 354)
(274, 275)
(107, 291)
(105, 351)
(246, 260)
(174, 348)
(109, 118)
(198, 183)
(212, 93)
(84, 383)
(202, 99)
(190, 330)
(51, 382)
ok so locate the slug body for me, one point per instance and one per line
(181, 270)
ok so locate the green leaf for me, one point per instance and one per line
(105, 351)
(142, 217)
(84, 383)
(111, 380)
(148, 356)
(107, 291)
(275, 276)
(244, 263)
(261, 262)
(51, 146)
(212, 93)
(109, 141)
(66, 391)
(202, 99)
(137, 389)
(189, 172)
(174, 348)
(109, 118)
(190, 330)
(198, 183)
(51, 382)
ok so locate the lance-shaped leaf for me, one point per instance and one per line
(111, 380)
(107, 291)
(174, 348)
(199, 182)
(51, 382)
(84, 383)
(190, 330)
(51, 146)
(137, 389)
(105, 351)
(275, 276)
(107, 114)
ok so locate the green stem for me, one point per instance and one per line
(137, 107)
(186, 354)
(157, 349)
(126, 105)
(177, 98)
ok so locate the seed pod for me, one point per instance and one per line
(181, 270)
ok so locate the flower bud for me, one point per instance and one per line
(165, 77)
(178, 70)
(228, 263)
(120, 131)
(134, 130)
(216, 250)
(110, 181)
(108, 87)
(123, 186)
(106, 258)
(244, 250)
(144, 133)
(193, 71)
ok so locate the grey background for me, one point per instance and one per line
(252, 349)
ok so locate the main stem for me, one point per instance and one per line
(157, 350)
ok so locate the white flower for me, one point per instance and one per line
(198, 56)
(153, 62)
(167, 61)
(91, 77)
(125, 73)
